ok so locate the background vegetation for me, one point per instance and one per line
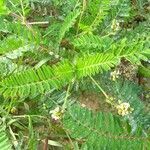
(74, 74)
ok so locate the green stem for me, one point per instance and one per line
(99, 87)
(26, 116)
(108, 100)
(65, 100)
(23, 12)
(82, 12)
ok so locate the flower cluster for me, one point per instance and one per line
(57, 113)
(115, 25)
(52, 54)
(114, 75)
(124, 109)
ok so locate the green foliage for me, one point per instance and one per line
(92, 64)
(121, 91)
(8, 67)
(135, 52)
(96, 130)
(144, 71)
(68, 22)
(13, 47)
(4, 140)
(96, 11)
(3, 8)
(63, 74)
(46, 78)
(41, 80)
(91, 42)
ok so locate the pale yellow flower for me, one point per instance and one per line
(115, 25)
(57, 113)
(114, 75)
(124, 109)
(51, 53)
(56, 56)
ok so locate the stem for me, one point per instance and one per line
(82, 12)
(13, 5)
(38, 23)
(76, 4)
(15, 142)
(108, 100)
(45, 145)
(23, 12)
(25, 116)
(97, 16)
(99, 87)
(71, 142)
(65, 100)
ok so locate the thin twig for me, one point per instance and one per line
(82, 12)
(99, 87)
(65, 100)
(15, 142)
(25, 116)
(45, 146)
(37, 23)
